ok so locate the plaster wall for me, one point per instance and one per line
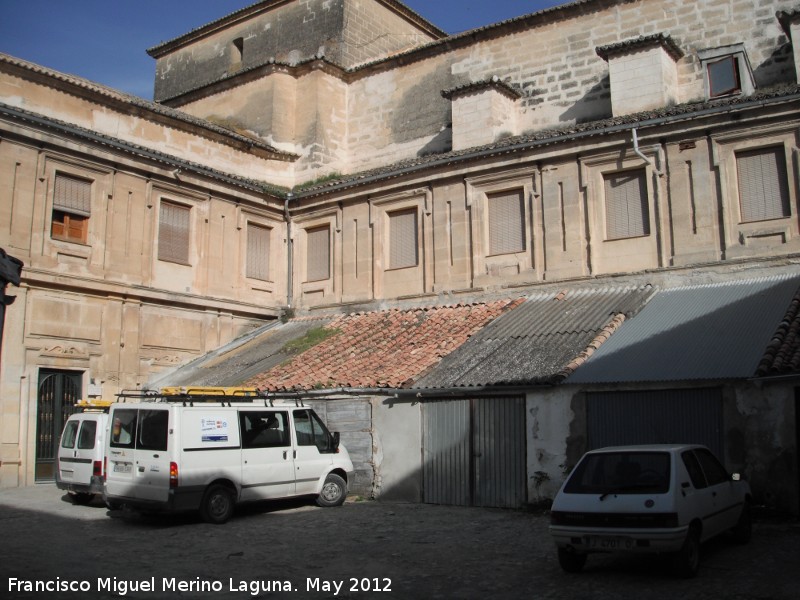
(397, 430)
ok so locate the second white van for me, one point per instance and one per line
(209, 456)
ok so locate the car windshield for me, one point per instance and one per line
(621, 473)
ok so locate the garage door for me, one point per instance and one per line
(474, 452)
(655, 417)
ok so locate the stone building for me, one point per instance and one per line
(304, 158)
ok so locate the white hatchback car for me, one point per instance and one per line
(648, 499)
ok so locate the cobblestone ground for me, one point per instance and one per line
(405, 550)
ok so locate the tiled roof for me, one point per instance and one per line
(383, 349)
(493, 82)
(645, 41)
(782, 356)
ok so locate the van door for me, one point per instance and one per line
(66, 452)
(151, 463)
(120, 455)
(85, 452)
(313, 453)
(267, 461)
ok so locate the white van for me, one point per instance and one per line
(208, 456)
(79, 464)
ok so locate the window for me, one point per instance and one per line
(310, 431)
(621, 473)
(723, 77)
(173, 233)
(237, 52)
(152, 432)
(87, 437)
(763, 188)
(627, 211)
(726, 71)
(68, 437)
(258, 238)
(123, 428)
(403, 239)
(72, 203)
(318, 257)
(264, 429)
(714, 471)
(506, 223)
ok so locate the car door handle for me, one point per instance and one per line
(284, 455)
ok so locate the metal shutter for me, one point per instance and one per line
(173, 233)
(627, 211)
(73, 195)
(318, 254)
(506, 224)
(763, 189)
(403, 239)
(258, 252)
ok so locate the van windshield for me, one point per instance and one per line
(621, 473)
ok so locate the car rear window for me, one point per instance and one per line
(621, 473)
(87, 435)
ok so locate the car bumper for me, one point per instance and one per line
(595, 539)
(95, 486)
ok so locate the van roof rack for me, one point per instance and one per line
(190, 395)
(93, 405)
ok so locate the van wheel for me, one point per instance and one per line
(81, 497)
(334, 491)
(217, 505)
(686, 561)
(571, 562)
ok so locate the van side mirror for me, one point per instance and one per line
(335, 441)
(736, 477)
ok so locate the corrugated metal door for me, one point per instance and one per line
(655, 417)
(474, 452)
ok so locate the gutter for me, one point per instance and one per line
(406, 393)
(641, 155)
(289, 251)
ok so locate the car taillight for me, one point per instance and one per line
(105, 468)
(97, 468)
(173, 475)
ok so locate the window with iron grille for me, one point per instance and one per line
(506, 223)
(403, 239)
(763, 186)
(72, 204)
(173, 233)
(627, 209)
(258, 238)
(318, 253)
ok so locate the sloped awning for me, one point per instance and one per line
(704, 332)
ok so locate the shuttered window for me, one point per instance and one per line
(72, 206)
(258, 252)
(627, 211)
(173, 233)
(403, 239)
(723, 77)
(506, 223)
(318, 254)
(763, 186)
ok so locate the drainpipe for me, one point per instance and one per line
(290, 251)
(640, 154)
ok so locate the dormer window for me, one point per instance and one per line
(237, 53)
(727, 71)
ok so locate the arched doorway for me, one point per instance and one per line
(57, 394)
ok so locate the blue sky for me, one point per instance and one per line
(105, 40)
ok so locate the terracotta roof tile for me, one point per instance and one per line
(385, 349)
(782, 356)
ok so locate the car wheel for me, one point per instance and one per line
(743, 530)
(571, 562)
(217, 504)
(334, 491)
(686, 561)
(112, 504)
(81, 497)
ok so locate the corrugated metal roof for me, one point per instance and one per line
(707, 332)
(534, 342)
(237, 362)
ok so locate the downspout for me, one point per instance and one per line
(640, 154)
(290, 251)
